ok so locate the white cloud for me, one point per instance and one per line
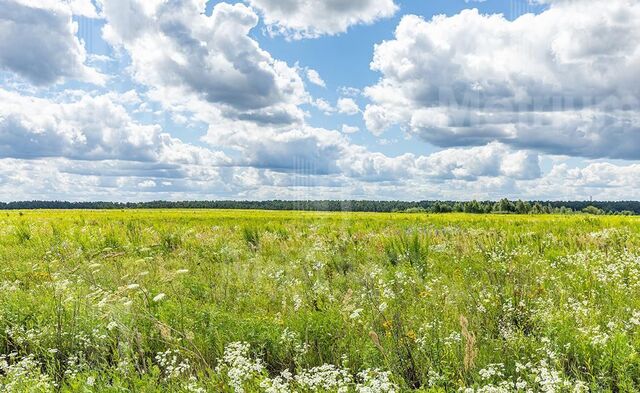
(83, 8)
(323, 105)
(288, 149)
(90, 128)
(602, 181)
(38, 42)
(492, 160)
(347, 129)
(357, 174)
(477, 86)
(297, 19)
(147, 184)
(348, 106)
(190, 60)
(63, 179)
(314, 77)
(602, 175)
(94, 137)
(348, 91)
(561, 82)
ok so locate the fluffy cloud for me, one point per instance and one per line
(491, 161)
(297, 19)
(561, 82)
(91, 128)
(82, 8)
(318, 152)
(348, 106)
(323, 105)
(183, 56)
(63, 179)
(291, 149)
(38, 42)
(481, 87)
(314, 77)
(596, 175)
(360, 174)
(347, 129)
(600, 180)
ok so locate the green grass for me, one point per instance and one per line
(226, 301)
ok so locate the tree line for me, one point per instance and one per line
(503, 206)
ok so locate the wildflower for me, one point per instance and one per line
(520, 384)
(279, 384)
(170, 364)
(193, 387)
(492, 370)
(375, 381)
(435, 378)
(91, 381)
(238, 366)
(326, 377)
(297, 302)
(159, 297)
(356, 313)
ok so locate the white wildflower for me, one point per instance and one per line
(159, 297)
(355, 314)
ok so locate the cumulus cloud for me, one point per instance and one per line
(347, 129)
(348, 106)
(147, 184)
(314, 77)
(297, 19)
(600, 175)
(183, 56)
(600, 180)
(291, 149)
(360, 174)
(320, 152)
(83, 8)
(349, 91)
(493, 161)
(482, 88)
(91, 128)
(64, 179)
(323, 105)
(561, 82)
(38, 42)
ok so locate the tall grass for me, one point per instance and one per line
(225, 301)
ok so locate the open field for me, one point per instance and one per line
(256, 301)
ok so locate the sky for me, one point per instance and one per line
(136, 100)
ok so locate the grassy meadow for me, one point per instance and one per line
(261, 301)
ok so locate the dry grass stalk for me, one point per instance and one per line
(376, 340)
(470, 349)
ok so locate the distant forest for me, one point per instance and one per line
(503, 206)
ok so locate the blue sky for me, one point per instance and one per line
(262, 99)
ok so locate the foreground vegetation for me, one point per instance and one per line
(255, 301)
